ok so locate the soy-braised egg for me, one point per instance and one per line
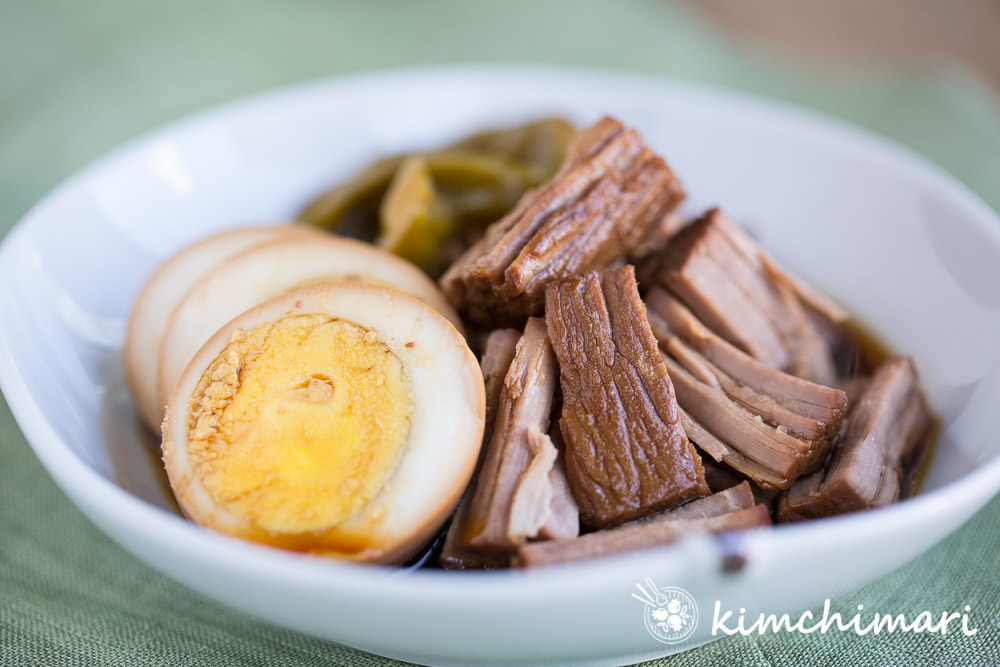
(340, 418)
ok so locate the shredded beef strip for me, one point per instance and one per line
(719, 272)
(733, 499)
(531, 497)
(766, 407)
(691, 361)
(669, 317)
(884, 427)
(498, 354)
(801, 501)
(514, 493)
(720, 452)
(735, 470)
(855, 473)
(541, 504)
(563, 519)
(775, 450)
(626, 452)
(609, 201)
(636, 536)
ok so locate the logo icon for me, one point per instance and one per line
(670, 614)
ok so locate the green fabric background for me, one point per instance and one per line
(78, 78)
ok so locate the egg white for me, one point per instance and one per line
(446, 427)
(268, 270)
(161, 293)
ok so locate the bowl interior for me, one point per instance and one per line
(912, 254)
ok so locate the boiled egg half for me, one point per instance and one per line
(340, 419)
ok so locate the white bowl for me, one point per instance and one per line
(906, 248)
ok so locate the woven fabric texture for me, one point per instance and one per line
(80, 78)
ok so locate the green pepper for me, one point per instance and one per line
(442, 200)
(541, 144)
(414, 220)
(351, 208)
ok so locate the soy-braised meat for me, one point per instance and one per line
(626, 452)
(767, 425)
(498, 353)
(610, 201)
(733, 499)
(740, 293)
(515, 487)
(884, 428)
(638, 535)
(669, 317)
(562, 517)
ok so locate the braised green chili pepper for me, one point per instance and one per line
(441, 201)
(414, 220)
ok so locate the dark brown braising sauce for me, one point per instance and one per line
(858, 351)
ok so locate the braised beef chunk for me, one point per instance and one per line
(769, 455)
(884, 427)
(609, 201)
(735, 498)
(668, 318)
(514, 489)
(563, 519)
(498, 353)
(637, 535)
(769, 426)
(859, 461)
(626, 452)
(722, 275)
(801, 501)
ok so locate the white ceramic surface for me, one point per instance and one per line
(913, 253)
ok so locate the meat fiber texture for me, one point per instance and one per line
(641, 535)
(739, 292)
(627, 454)
(520, 492)
(611, 201)
(884, 429)
(498, 353)
(769, 426)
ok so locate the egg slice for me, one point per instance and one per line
(265, 271)
(160, 295)
(340, 419)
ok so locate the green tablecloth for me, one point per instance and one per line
(78, 78)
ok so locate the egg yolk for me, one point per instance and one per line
(296, 425)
